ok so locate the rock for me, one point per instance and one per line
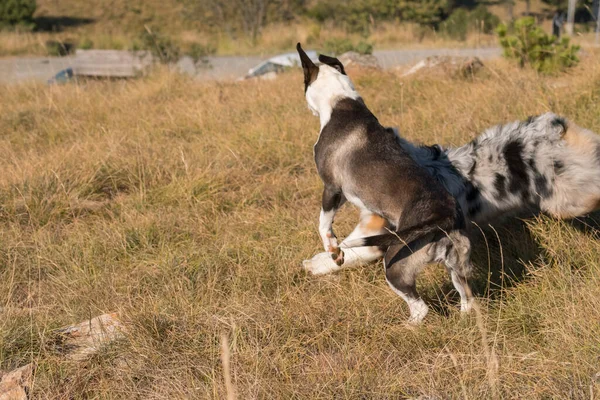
(80, 341)
(352, 59)
(15, 384)
(448, 65)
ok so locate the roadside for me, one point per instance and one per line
(40, 69)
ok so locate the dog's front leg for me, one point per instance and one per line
(333, 199)
(369, 225)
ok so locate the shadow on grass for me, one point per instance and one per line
(59, 23)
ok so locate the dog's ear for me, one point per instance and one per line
(310, 69)
(332, 62)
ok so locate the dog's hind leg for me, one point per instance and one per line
(402, 265)
(454, 250)
(369, 225)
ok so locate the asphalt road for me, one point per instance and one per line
(15, 70)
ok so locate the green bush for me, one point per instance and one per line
(360, 15)
(364, 48)
(161, 46)
(86, 44)
(17, 13)
(199, 52)
(57, 48)
(461, 22)
(529, 44)
(457, 25)
(339, 46)
(484, 20)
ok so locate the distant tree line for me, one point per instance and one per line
(17, 13)
(250, 16)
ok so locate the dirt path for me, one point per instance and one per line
(15, 70)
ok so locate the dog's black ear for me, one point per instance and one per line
(310, 69)
(332, 62)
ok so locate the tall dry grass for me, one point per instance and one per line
(188, 208)
(275, 38)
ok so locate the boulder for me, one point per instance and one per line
(352, 59)
(447, 65)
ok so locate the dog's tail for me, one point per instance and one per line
(404, 237)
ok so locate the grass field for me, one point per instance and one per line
(188, 208)
(117, 24)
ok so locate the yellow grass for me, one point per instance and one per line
(188, 207)
(275, 38)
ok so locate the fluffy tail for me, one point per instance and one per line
(399, 237)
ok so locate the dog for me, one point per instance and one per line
(360, 161)
(545, 164)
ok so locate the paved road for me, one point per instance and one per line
(14, 70)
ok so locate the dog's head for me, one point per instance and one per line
(324, 84)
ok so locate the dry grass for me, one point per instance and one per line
(118, 24)
(188, 208)
(275, 38)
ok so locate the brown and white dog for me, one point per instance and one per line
(360, 161)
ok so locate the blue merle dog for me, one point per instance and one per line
(545, 164)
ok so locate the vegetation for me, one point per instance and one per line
(340, 46)
(188, 207)
(531, 45)
(462, 22)
(244, 27)
(160, 45)
(17, 13)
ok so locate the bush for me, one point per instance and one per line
(461, 22)
(56, 48)
(161, 46)
(199, 52)
(340, 46)
(17, 13)
(484, 20)
(86, 44)
(364, 48)
(529, 44)
(457, 25)
(359, 15)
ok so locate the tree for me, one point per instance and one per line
(252, 13)
(17, 12)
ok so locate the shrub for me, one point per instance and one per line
(484, 20)
(56, 48)
(199, 52)
(364, 48)
(359, 15)
(17, 13)
(340, 46)
(457, 25)
(161, 46)
(461, 22)
(86, 44)
(529, 44)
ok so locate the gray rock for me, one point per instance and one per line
(352, 59)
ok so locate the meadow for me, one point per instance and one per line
(118, 24)
(188, 207)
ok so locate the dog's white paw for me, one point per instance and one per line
(418, 311)
(466, 305)
(320, 264)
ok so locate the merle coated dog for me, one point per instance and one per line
(545, 164)
(360, 161)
